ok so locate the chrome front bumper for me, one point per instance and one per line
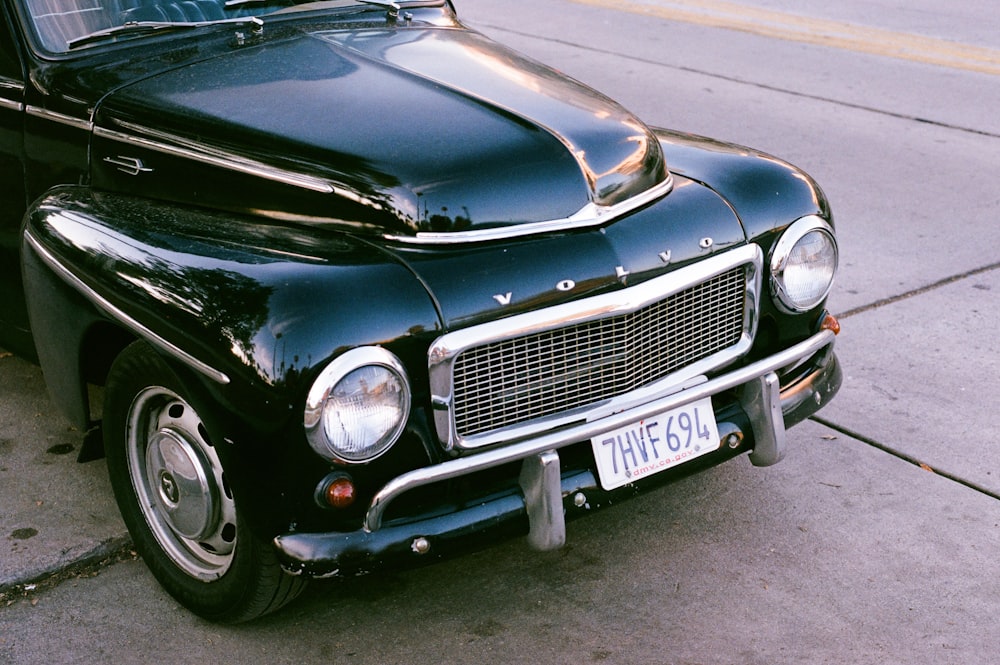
(548, 494)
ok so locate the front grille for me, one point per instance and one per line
(512, 381)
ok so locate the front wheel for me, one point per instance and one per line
(173, 494)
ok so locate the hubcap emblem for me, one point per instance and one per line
(168, 487)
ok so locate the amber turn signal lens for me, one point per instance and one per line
(339, 492)
(831, 323)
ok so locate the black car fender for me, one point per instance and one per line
(254, 309)
(767, 193)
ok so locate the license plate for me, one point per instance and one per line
(655, 444)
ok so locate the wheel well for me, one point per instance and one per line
(99, 347)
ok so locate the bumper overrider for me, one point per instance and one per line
(548, 496)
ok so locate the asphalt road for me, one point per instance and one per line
(874, 541)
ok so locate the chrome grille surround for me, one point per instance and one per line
(516, 377)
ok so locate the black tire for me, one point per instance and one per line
(172, 492)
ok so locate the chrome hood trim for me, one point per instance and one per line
(180, 147)
(590, 215)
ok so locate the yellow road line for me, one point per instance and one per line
(822, 32)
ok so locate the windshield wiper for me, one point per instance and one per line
(235, 4)
(131, 28)
(393, 7)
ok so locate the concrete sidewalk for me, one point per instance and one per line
(54, 512)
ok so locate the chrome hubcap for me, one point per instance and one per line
(186, 494)
(180, 484)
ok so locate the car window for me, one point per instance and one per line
(63, 25)
(57, 22)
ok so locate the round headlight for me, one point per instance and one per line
(803, 265)
(358, 406)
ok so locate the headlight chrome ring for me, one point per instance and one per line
(358, 406)
(803, 265)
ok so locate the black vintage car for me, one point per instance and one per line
(362, 285)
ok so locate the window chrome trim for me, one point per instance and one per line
(446, 349)
(61, 118)
(11, 95)
(588, 216)
(11, 105)
(116, 313)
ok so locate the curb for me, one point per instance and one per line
(109, 551)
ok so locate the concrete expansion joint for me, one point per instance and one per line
(919, 291)
(924, 466)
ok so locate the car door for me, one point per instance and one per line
(14, 332)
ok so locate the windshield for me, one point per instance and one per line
(64, 25)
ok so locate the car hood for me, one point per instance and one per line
(398, 129)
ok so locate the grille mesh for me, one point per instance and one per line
(516, 380)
